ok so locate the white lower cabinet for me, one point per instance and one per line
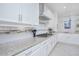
(38, 52)
(25, 53)
(41, 49)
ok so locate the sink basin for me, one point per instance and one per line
(44, 35)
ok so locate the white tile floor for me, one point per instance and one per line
(63, 49)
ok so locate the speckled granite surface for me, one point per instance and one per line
(14, 47)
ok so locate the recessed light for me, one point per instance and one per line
(65, 7)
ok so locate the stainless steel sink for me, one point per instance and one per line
(44, 35)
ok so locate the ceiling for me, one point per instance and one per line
(64, 9)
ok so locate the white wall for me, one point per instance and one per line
(41, 28)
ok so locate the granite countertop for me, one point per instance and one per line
(69, 38)
(11, 48)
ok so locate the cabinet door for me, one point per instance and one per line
(45, 50)
(30, 13)
(9, 12)
(37, 52)
(51, 43)
(42, 51)
(25, 53)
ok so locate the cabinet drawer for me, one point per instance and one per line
(25, 53)
(29, 51)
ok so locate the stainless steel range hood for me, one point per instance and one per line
(42, 16)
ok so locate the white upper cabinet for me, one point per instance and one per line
(30, 13)
(26, 13)
(9, 12)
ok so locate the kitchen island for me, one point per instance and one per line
(16, 47)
